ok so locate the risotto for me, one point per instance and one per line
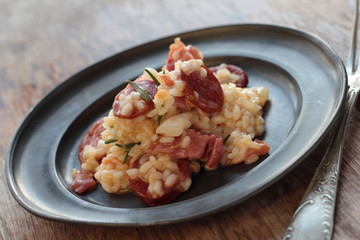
(169, 124)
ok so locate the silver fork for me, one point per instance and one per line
(314, 218)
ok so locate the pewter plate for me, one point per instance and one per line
(307, 85)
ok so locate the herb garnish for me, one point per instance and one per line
(126, 156)
(127, 148)
(140, 90)
(227, 137)
(159, 119)
(110, 141)
(153, 77)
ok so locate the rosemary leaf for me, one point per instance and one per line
(227, 137)
(139, 89)
(159, 119)
(110, 141)
(127, 146)
(153, 77)
(126, 156)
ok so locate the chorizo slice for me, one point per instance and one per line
(190, 145)
(129, 104)
(242, 79)
(182, 103)
(213, 152)
(156, 185)
(92, 138)
(178, 51)
(205, 92)
(206, 147)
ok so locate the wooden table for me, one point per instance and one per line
(44, 42)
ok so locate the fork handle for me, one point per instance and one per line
(314, 218)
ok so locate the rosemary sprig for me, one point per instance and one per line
(126, 156)
(227, 137)
(110, 141)
(127, 148)
(159, 119)
(140, 90)
(153, 77)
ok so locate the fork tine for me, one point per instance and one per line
(350, 65)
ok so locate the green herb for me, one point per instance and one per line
(227, 137)
(153, 77)
(164, 72)
(139, 89)
(126, 156)
(110, 141)
(127, 148)
(159, 119)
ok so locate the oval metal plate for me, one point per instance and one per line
(307, 85)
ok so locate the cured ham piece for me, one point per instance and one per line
(178, 51)
(92, 138)
(83, 181)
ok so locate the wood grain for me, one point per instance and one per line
(43, 42)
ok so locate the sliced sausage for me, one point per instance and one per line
(182, 103)
(194, 149)
(243, 79)
(214, 151)
(205, 93)
(125, 106)
(206, 147)
(140, 185)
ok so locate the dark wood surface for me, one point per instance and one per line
(44, 42)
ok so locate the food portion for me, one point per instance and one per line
(168, 125)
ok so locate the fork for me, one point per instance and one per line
(314, 218)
